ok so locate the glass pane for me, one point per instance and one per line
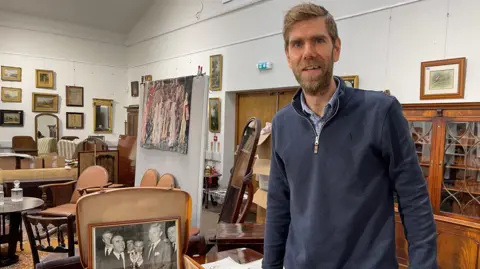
(421, 134)
(461, 167)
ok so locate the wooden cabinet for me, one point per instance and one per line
(447, 140)
(131, 125)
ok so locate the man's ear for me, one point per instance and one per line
(337, 47)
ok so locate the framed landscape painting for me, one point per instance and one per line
(44, 102)
(12, 118)
(143, 243)
(10, 73)
(443, 79)
(11, 95)
(44, 79)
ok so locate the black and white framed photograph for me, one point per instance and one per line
(135, 244)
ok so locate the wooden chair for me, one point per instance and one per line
(90, 144)
(166, 181)
(25, 145)
(40, 228)
(150, 178)
(65, 195)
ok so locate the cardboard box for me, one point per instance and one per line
(260, 199)
(34, 163)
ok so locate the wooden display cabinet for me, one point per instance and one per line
(447, 140)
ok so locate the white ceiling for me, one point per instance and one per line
(118, 16)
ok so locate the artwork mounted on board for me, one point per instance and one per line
(166, 114)
(443, 79)
(10, 73)
(351, 81)
(216, 70)
(74, 96)
(214, 115)
(134, 86)
(11, 95)
(44, 79)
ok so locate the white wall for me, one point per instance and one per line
(79, 56)
(384, 42)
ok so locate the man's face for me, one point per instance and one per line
(107, 238)
(138, 246)
(129, 245)
(311, 54)
(154, 234)
(171, 234)
(118, 244)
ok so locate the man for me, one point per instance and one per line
(107, 250)
(338, 155)
(172, 237)
(137, 255)
(117, 259)
(159, 253)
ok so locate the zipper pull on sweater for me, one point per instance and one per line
(315, 148)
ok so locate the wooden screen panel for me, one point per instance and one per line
(458, 244)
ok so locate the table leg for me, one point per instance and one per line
(15, 222)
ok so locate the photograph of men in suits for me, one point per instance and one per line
(151, 245)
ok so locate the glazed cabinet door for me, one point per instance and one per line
(422, 125)
(459, 190)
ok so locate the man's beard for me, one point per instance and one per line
(319, 85)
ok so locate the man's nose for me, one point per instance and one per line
(309, 50)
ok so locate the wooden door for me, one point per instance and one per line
(259, 105)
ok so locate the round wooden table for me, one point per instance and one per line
(14, 210)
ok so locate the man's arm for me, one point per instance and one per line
(278, 212)
(413, 200)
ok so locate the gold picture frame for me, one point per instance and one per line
(216, 72)
(443, 79)
(11, 73)
(351, 81)
(104, 106)
(214, 115)
(44, 102)
(11, 95)
(44, 79)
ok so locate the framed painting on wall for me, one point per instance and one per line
(214, 115)
(75, 120)
(44, 102)
(44, 79)
(134, 88)
(13, 118)
(10, 73)
(74, 96)
(351, 81)
(11, 95)
(443, 79)
(216, 71)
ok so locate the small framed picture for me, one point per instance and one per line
(135, 244)
(10, 73)
(351, 81)
(12, 118)
(44, 102)
(75, 120)
(134, 86)
(11, 95)
(44, 79)
(214, 115)
(74, 96)
(443, 79)
(216, 71)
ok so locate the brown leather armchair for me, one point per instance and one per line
(65, 195)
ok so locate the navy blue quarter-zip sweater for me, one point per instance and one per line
(334, 209)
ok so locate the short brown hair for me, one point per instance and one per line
(308, 11)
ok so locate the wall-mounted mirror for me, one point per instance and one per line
(47, 133)
(102, 115)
